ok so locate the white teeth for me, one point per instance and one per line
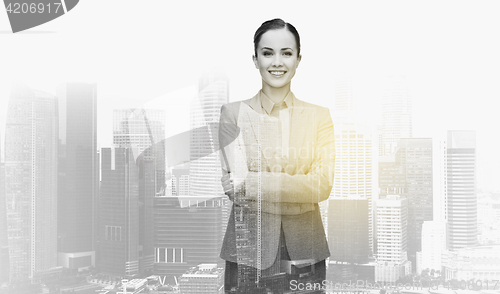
(277, 73)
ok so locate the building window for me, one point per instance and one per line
(170, 255)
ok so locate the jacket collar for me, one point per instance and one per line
(262, 104)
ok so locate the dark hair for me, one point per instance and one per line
(275, 24)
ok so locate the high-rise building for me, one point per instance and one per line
(392, 242)
(143, 130)
(189, 228)
(119, 213)
(78, 179)
(396, 114)
(353, 152)
(205, 168)
(203, 279)
(353, 165)
(4, 248)
(461, 189)
(31, 182)
(408, 172)
(205, 164)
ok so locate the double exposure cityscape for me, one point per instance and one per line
(148, 213)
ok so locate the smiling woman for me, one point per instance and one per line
(279, 46)
(275, 234)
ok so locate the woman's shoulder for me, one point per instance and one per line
(301, 103)
(234, 107)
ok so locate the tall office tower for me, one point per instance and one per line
(4, 248)
(78, 181)
(396, 114)
(353, 165)
(204, 278)
(348, 234)
(433, 245)
(143, 130)
(205, 168)
(461, 189)
(31, 182)
(392, 220)
(189, 228)
(119, 209)
(205, 165)
(354, 152)
(408, 172)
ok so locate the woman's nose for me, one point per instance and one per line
(277, 60)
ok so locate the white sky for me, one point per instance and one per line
(139, 51)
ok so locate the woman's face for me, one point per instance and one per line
(277, 58)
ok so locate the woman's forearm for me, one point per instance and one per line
(283, 187)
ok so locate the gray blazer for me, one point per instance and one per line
(290, 189)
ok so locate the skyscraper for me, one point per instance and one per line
(31, 182)
(189, 228)
(143, 130)
(205, 171)
(397, 116)
(353, 152)
(461, 189)
(410, 175)
(119, 213)
(392, 242)
(78, 174)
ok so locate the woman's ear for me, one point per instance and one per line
(298, 60)
(254, 58)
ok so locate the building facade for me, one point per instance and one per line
(392, 239)
(433, 244)
(348, 233)
(409, 172)
(143, 130)
(353, 176)
(119, 213)
(31, 182)
(202, 279)
(481, 263)
(461, 189)
(78, 180)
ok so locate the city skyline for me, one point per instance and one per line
(139, 132)
(438, 60)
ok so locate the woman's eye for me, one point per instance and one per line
(267, 53)
(287, 53)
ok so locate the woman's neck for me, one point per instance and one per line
(276, 95)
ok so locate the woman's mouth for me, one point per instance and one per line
(277, 73)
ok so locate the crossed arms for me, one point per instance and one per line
(297, 191)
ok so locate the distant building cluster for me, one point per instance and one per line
(399, 205)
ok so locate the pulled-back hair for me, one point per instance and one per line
(275, 24)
